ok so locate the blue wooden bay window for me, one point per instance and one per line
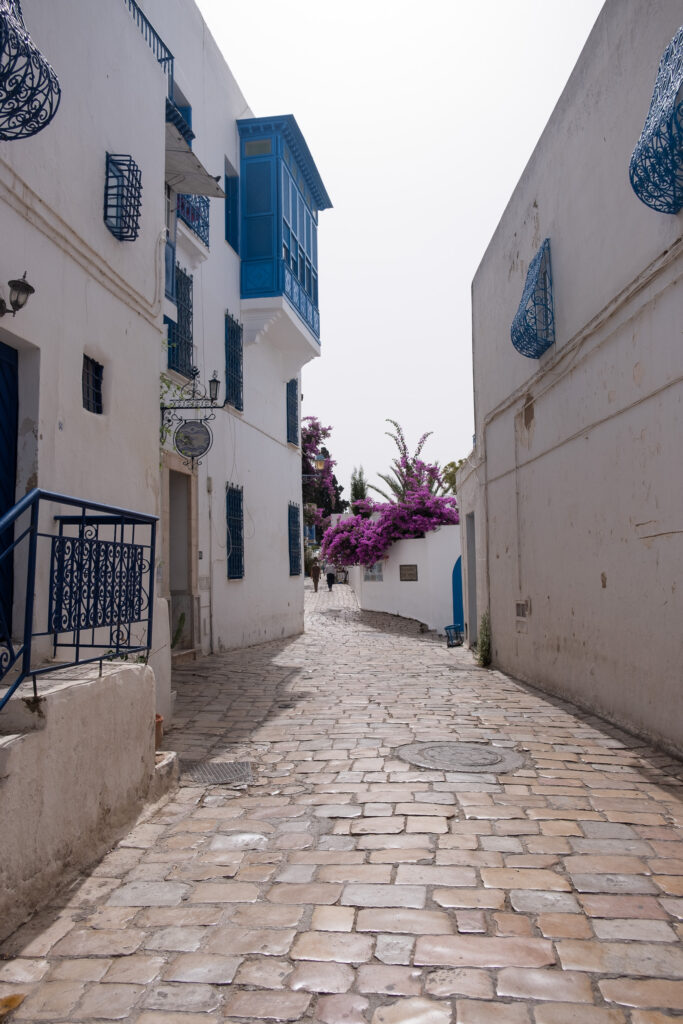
(281, 197)
(233, 362)
(294, 531)
(234, 507)
(293, 411)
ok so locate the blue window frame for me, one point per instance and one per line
(91, 382)
(180, 346)
(234, 508)
(232, 211)
(233, 362)
(294, 530)
(293, 411)
(122, 196)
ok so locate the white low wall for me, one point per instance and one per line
(75, 770)
(429, 599)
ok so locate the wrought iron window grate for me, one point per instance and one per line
(533, 328)
(294, 529)
(122, 196)
(235, 519)
(194, 211)
(29, 88)
(233, 362)
(92, 385)
(180, 346)
(293, 411)
(656, 167)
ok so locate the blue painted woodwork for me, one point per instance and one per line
(169, 275)
(8, 465)
(194, 211)
(656, 167)
(154, 41)
(232, 211)
(281, 196)
(234, 511)
(294, 534)
(99, 566)
(293, 411)
(533, 328)
(180, 341)
(458, 606)
(29, 88)
(122, 196)
(233, 362)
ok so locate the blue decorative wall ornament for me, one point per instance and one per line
(533, 328)
(29, 89)
(656, 168)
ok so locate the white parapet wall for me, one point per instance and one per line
(429, 597)
(76, 766)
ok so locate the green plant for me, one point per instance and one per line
(178, 631)
(484, 640)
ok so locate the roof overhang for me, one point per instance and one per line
(184, 171)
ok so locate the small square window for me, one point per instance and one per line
(92, 385)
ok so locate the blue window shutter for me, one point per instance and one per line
(294, 525)
(235, 538)
(232, 212)
(293, 411)
(233, 362)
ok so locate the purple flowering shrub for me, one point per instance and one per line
(313, 433)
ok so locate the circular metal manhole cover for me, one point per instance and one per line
(461, 757)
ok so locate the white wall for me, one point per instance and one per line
(575, 479)
(430, 599)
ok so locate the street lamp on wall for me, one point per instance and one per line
(192, 438)
(19, 292)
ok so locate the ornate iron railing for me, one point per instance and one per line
(88, 577)
(194, 211)
(533, 328)
(295, 292)
(154, 41)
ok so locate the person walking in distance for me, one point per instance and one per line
(331, 574)
(315, 574)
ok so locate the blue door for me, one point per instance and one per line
(458, 610)
(8, 468)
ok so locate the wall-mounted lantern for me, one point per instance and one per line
(192, 439)
(19, 292)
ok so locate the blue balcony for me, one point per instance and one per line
(281, 196)
(194, 212)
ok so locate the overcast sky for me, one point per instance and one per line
(420, 117)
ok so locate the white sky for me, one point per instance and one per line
(420, 118)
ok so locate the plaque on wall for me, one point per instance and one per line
(407, 573)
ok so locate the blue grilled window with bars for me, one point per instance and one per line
(122, 196)
(91, 381)
(180, 347)
(194, 211)
(293, 411)
(235, 541)
(233, 362)
(294, 527)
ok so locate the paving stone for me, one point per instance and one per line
(491, 899)
(333, 919)
(643, 992)
(639, 958)
(460, 981)
(90, 942)
(332, 946)
(477, 951)
(469, 1012)
(413, 1011)
(313, 892)
(394, 949)
(108, 1002)
(528, 901)
(520, 878)
(638, 931)
(138, 969)
(148, 894)
(384, 895)
(224, 892)
(202, 968)
(577, 1013)
(267, 1005)
(355, 873)
(181, 939)
(52, 999)
(345, 1009)
(629, 884)
(84, 970)
(559, 986)
(175, 998)
(564, 926)
(409, 922)
(425, 874)
(263, 973)
(267, 942)
(321, 977)
(646, 907)
(24, 971)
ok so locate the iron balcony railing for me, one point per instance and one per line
(154, 41)
(295, 292)
(194, 211)
(84, 581)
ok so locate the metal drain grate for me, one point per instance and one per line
(218, 773)
(462, 757)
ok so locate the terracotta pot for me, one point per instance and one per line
(158, 731)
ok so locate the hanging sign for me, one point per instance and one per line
(192, 439)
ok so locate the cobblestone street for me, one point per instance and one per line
(347, 886)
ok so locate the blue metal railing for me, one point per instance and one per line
(97, 568)
(154, 41)
(293, 290)
(194, 211)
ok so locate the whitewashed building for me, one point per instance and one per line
(163, 228)
(571, 501)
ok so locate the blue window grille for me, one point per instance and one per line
(233, 362)
(180, 347)
(91, 380)
(293, 411)
(122, 197)
(232, 211)
(235, 541)
(656, 167)
(194, 211)
(294, 528)
(533, 328)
